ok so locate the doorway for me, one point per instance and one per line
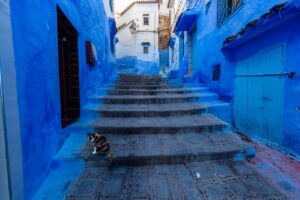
(192, 43)
(258, 94)
(68, 69)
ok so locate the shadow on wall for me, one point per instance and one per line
(131, 65)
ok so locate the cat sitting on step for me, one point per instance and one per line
(100, 144)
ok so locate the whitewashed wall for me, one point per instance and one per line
(130, 44)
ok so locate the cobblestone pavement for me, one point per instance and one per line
(211, 180)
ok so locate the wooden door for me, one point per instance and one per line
(68, 70)
(258, 94)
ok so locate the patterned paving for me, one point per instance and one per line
(198, 180)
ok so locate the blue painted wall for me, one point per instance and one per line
(36, 56)
(132, 65)
(163, 60)
(210, 42)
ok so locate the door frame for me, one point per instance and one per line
(283, 46)
(68, 59)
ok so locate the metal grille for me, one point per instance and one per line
(226, 8)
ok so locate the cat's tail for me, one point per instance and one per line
(110, 157)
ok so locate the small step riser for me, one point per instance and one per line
(128, 92)
(150, 101)
(169, 160)
(137, 76)
(179, 159)
(152, 113)
(160, 130)
(141, 78)
(142, 82)
(140, 87)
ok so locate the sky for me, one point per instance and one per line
(120, 5)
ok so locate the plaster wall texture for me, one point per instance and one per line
(11, 172)
(36, 57)
(129, 50)
(209, 43)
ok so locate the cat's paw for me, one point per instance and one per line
(94, 152)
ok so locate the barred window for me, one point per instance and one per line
(226, 8)
(146, 19)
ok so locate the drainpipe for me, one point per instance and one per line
(5, 134)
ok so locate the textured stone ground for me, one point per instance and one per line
(199, 180)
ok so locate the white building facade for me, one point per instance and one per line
(138, 34)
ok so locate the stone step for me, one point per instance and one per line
(152, 149)
(150, 125)
(151, 87)
(147, 99)
(140, 86)
(156, 92)
(139, 76)
(150, 110)
(140, 82)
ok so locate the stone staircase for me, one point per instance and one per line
(149, 121)
(163, 148)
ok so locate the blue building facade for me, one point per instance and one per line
(246, 51)
(43, 34)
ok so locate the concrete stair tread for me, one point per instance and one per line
(155, 86)
(136, 149)
(160, 122)
(122, 75)
(149, 107)
(160, 96)
(164, 90)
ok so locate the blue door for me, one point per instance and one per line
(192, 50)
(258, 94)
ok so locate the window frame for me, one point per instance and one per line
(146, 46)
(146, 19)
(221, 20)
(145, 49)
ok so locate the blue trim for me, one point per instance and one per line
(186, 20)
(172, 42)
(116, 40)
(112, 26)
(290, 10)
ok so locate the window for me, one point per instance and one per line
(146, 47)
(146, 19)
(216, 72)
(226, 8)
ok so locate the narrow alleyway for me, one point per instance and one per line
(165, 146)
(197, 99)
